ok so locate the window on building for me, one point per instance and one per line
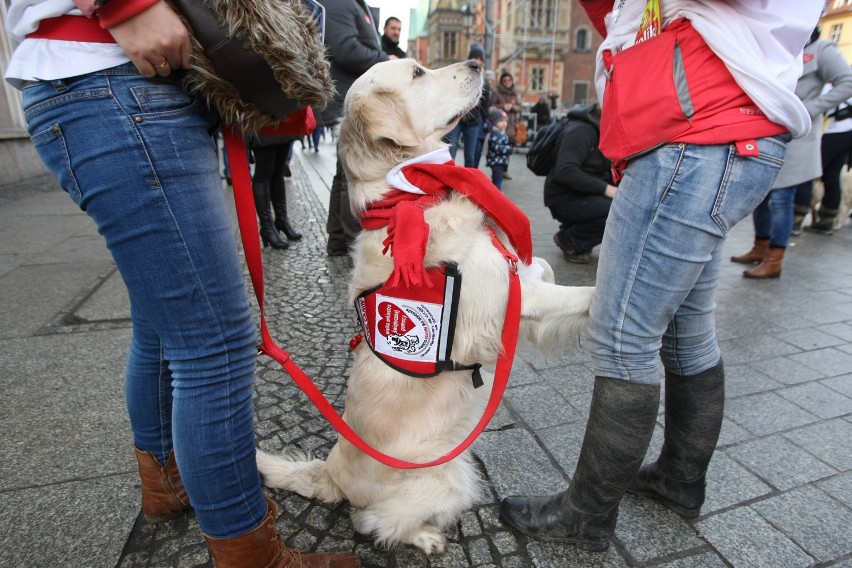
(450, 45)
(537, 79)
(582, 39)
(836, 30)
(581, 92)
(541, 12)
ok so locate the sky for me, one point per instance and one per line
(399, 8)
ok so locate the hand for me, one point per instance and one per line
(610, 191)
(155, 40)
(392, 57)
(86, 6)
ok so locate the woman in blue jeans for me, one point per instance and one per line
(135, 152)
(696, 156)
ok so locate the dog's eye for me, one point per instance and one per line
(419, 72)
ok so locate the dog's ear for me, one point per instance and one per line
(383, 119)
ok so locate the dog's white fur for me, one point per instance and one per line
(394, 112)
(845, 198)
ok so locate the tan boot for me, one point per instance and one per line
(770, 267)
(755, 255)
(163, 494)
(262, 548)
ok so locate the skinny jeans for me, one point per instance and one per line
(661, 252)
(136, 154)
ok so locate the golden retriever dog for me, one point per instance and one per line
(395, 112)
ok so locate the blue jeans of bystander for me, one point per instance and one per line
(136, 154)
(773, 218)
(659, 260)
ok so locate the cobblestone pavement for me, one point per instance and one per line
(779, 487)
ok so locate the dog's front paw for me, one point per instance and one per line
(429, 539)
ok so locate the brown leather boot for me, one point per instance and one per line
(262, 548)
(755, 255)
(163, 494)
(770, 267)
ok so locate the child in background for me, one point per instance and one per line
(499, 147)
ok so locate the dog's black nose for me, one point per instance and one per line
(474, 64)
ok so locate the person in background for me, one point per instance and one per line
(390, 38)
(488, 79)
(470, 127)
(542, 112)
(836, 148)
(687, 174)
(270, 160)
(144, 168)
(774, 217)
(506, 98)
(499, 148)
(352, 41)
(579, 189)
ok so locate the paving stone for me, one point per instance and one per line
(79, 523)
(813, 339)
(785, 370)
(750, 347)
(523, 374)
(555, 555)
(701, 560)
(818, 399)
(780, 462)
(470, 524)
(830, 362)
(728, 484)
(564, 443)
(746, 540)
(570, 380)
(842, 330)
(732, 433)
(540, 405)
(517, 465)
(766, 413)
(830, 441)
(817, 522)
(480, 552)
(743, 379)
(842, 384)
(647, 530)
(506, 543)
(839, 487)
(453, 556)
(822, 314)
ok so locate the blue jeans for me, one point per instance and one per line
(659, 260)
(497, 173)
(137, 156)
(773, 218)
(470, 133)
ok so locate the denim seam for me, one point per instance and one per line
(65, 98)
(722, 192)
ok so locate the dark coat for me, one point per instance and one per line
(392, 48)
(353, 47)
(479, 113)
(580, 169)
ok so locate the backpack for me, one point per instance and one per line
(542, 153)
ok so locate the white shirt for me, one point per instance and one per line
(47, 59)
(759, 42)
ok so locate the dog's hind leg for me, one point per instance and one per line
(392, 527)
(307, 478)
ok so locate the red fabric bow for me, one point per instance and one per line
(402, 213)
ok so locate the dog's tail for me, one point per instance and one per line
(296, 471)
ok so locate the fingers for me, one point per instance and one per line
(155, 40)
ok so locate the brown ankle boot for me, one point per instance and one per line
(163, 494)
(755, 255)
(770, 267)
(262, 548)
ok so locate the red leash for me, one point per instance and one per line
(244, 199)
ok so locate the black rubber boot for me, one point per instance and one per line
(268, 233)
(621, 421)
(278, 196)
(694, 408)
(824, 225)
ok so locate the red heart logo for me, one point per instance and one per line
(393, 320)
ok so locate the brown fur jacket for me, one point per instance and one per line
(286, 36)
